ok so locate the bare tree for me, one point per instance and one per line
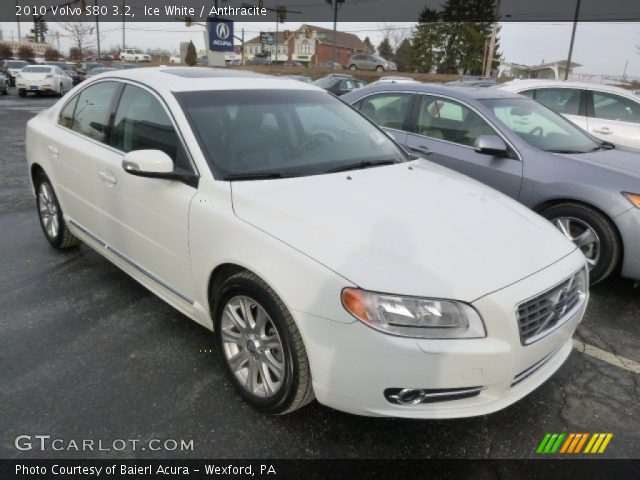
(395, 33)
(81, 34)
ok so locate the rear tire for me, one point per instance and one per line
(61, 90)
(51, 216)
(6, 88)
(353, 67)
(255, 332)
(379, 68)
(22, 93)
(592, 232)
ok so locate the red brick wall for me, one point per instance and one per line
(323, 54)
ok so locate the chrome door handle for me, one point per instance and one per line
(421, 149)
(53, 150)
(603, 130)
(108, 177)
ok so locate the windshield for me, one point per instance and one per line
(541, 127)
(16, 64)
(283, 133)
(36, 70)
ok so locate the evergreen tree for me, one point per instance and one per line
(370, 46)
(427, 41)
(384, 49)
(191, 58)
(403, 56)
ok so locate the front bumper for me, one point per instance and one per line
(352, 365)
(628, 224)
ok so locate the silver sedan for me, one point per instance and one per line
(589, 188)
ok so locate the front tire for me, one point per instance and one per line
(51, 216)
(379, 68)
(592, 232)
(353, 67)
(6, 88)
(260, 346)
(22, 93)
(61, 90)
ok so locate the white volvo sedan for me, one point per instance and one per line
(328, 261)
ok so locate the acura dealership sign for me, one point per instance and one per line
(220, 35)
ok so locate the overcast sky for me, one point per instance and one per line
(602, 48)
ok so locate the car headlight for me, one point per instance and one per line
(412, 316)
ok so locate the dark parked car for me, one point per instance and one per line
(339, 84)
(12, 67)
(86, 66)
(290, 63)
(300, 78)
(98, 71)
(471, 81)
(75, 76)
(4, 83)
(588, 188)
(124, 66)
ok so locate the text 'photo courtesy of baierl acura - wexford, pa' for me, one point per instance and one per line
(319, 238)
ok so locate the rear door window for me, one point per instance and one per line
(609, 106)
(91, 116)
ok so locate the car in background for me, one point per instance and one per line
(291, 63)
(13, 67)
(339, 84)
(5, 84)
(258, 60)
(607, 112)
(371, 62)
(97, 71)
(40, 79)
(123, 66)
(329, 65)
(471, 81)
(75, 75)
(175, 59)
(588, 188)
(393, 79)
(134, 55)
(84, 67)
(299, 78)
(409, 290)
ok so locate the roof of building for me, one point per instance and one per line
(324, 35)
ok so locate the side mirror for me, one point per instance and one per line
(490, 145)
(147, 163)
(156, 164)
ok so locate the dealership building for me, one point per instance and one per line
(308, 45)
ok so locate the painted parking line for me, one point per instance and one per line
(610, 358)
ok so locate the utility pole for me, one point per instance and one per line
(573, 37)
(97, 27)
(492, 41)
(123, 44)
(335, 4)
(18, 21)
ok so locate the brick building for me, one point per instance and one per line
(309, 45)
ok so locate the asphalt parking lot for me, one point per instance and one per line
(88, 353)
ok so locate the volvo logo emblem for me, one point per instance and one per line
(222, 31)
(560, 303)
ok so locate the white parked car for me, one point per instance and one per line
(134, 55)
(329, 262)
(606, 112)
(43, 79)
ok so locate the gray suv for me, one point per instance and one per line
(371, 62)
(588, 188)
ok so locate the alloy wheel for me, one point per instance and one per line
(252, 346)
(583, 235)
(48, 210)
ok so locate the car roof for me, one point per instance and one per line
(519, 85)
(462, 92)
(186, 79)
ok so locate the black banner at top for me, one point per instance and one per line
(322, 10)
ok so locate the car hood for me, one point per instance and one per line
(622, 159)
(412, 228)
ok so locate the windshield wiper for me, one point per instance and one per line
(257, 176)
(361, 165)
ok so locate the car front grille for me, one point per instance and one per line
(548, 310)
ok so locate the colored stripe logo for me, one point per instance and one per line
(574, 443)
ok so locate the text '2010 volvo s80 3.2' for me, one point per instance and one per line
(329, 262)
